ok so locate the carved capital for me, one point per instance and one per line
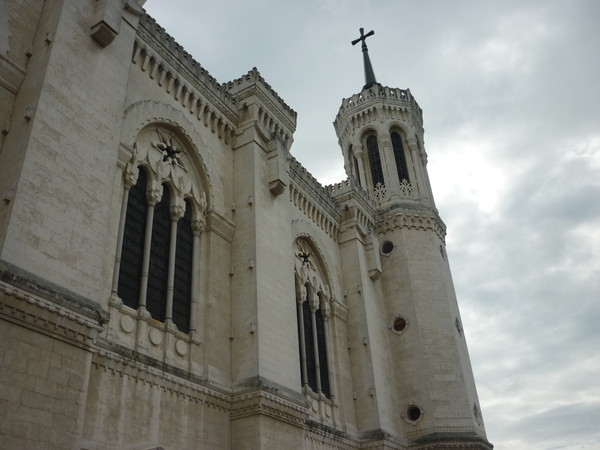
(130, 176)
(177, 210)
(314, 303)
(154, 194)
(198, 226)
(303, 293)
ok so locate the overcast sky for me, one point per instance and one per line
(510, 92)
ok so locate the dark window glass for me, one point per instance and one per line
(182, 293)
(159, 258)
(357, 170)
(311, 369)
(374, 160)
(323, 366)
(399, 156)
(130, 272)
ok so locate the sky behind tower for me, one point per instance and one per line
(510, 92)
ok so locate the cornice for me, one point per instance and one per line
(252, 83)
(33, 286)
(411, 218)
(32, 311)
(143, 369)
(156, 49)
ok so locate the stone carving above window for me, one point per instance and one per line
(158, 149)
(168, 147)
(309, 273)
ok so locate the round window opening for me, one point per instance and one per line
(399, 324)
(387, 248)
(413, 413)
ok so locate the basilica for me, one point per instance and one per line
(171, 277)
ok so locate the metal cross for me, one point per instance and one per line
(369, 74)
(363, 37)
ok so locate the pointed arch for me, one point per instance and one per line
(164, 215)
(313, 296)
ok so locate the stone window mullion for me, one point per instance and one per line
(176, 214)
(197, 228)
(314, 305)
(152, 201)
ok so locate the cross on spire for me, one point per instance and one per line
(369, 74)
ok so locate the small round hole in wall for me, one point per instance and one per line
(399, 324)
(387, 247)
(413, 413)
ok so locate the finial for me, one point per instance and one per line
(369, 74)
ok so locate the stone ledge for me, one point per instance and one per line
(39, 288)
(29, 310)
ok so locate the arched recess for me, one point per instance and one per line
(141, 115)
(314, 296)
(164, 165)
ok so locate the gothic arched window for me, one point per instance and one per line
(312, 323)
(374, 161)
(399, 156)
(159, 240)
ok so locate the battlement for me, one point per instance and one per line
(252, 77)
(175, 54)
(378, 99)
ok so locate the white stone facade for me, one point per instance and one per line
(314, 317)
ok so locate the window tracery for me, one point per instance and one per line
(313, 295)
(162, 217)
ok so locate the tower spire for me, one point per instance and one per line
(369, 74)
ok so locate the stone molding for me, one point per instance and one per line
(182, 61)
(314, 200)
(252, 83)
(377, 103)
(440, 438)
(414, 221)
(141, 114)
(220, 225)
(32, 286)
(318, 435)
(261, 402)
(198, 92)
(162, 376)
(11, 73)
(27, 309)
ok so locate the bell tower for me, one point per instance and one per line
(401, 299)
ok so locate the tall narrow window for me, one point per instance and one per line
(323, 366)
(130, 270)
(357, 170)
(399, 156)
(374, 160)
(159, 258)
(309, 345)
(182, 292)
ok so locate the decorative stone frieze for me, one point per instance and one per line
(143, 369)
(30, 310)
(265, 403)
(425, 220)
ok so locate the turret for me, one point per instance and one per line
(403, 299)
